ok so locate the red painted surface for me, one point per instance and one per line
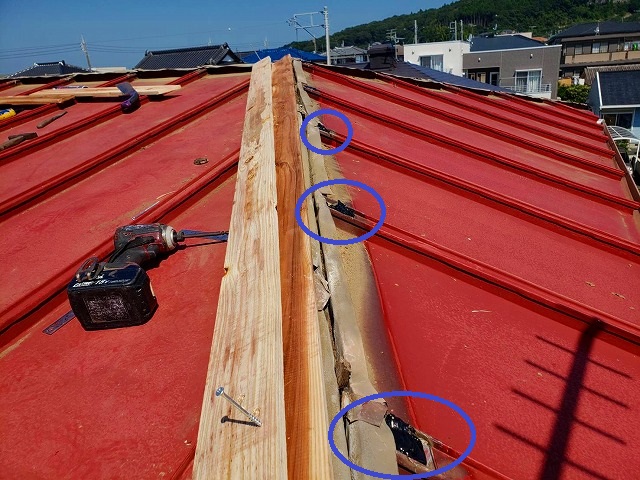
(501, 248)
(494, 261)
(120, 403)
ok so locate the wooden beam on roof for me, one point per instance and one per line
(39, 100)
(246, 355)
(105, 91)
(306, 416)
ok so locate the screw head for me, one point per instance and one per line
(219, 391)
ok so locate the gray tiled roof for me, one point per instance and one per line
(590, 72)
(44, 69)
(188, 57)
(589, 29)
(620, 88)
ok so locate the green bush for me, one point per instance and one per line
(574, 93)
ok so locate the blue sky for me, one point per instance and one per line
(118, 33)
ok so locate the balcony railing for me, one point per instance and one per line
(529, 89)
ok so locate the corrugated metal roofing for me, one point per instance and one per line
(510, 229)
(188, 57)
(506, 270)
(620, 88)
(124, 404)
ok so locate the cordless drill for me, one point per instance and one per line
(117, 293)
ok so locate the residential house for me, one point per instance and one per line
(442, 56)
(191, 57)
(46, 69)
(615, 97)
(344, 55)
(597, 44)
(382, 59)
(516, 62)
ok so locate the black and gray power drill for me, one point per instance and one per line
(117, 293)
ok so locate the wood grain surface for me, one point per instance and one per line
(305, 396)
(247, 354)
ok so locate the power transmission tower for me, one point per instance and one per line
(83, 46)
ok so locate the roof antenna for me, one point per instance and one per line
(598, 28)
(83, 46)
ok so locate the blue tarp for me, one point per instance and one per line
(278, 53)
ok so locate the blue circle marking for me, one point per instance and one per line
(341, 181)
(326, 111)
(402, 393)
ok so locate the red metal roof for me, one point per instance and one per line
(507, 268)
(124, 403)
(507, 271)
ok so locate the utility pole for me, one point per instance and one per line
(326, 34)
(83, 46)
(415, 31)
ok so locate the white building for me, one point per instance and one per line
(443, 56)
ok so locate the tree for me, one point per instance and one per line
(574, 93)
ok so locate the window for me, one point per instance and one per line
(528, 81)
(570, 51)
(493, 78)
(599, 47)
(621, 119)
(433, 61)
(579, 49)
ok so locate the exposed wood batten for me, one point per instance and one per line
(247, 352)
(306, 418)
(370, 446)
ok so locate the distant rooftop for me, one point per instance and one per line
(489, 42)
(45, 69)
(346, 51)
(382, 59)
(191, 57)
(596, 28)
(590, 72)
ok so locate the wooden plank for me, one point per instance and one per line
(39, 100)
(306, 420)
(246, 355)
(369, 446)
(106, 91)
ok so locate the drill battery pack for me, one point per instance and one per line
(117, 297)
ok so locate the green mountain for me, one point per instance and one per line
(543, 17)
